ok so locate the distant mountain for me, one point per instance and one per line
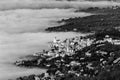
(87, 0)
(102, 0)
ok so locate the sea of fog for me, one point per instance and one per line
(22, 33)
(22, 25)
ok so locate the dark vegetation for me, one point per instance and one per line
(114, 33)
(104, 18)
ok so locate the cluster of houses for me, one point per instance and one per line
(110, 40)
(68, 46)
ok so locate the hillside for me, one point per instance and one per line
(104, 18)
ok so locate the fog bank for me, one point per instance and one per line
(22, 33)
(38, 4)
(33, 21)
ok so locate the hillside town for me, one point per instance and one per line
(79, 58)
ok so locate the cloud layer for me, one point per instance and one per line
(33, 21)
(38, 4)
